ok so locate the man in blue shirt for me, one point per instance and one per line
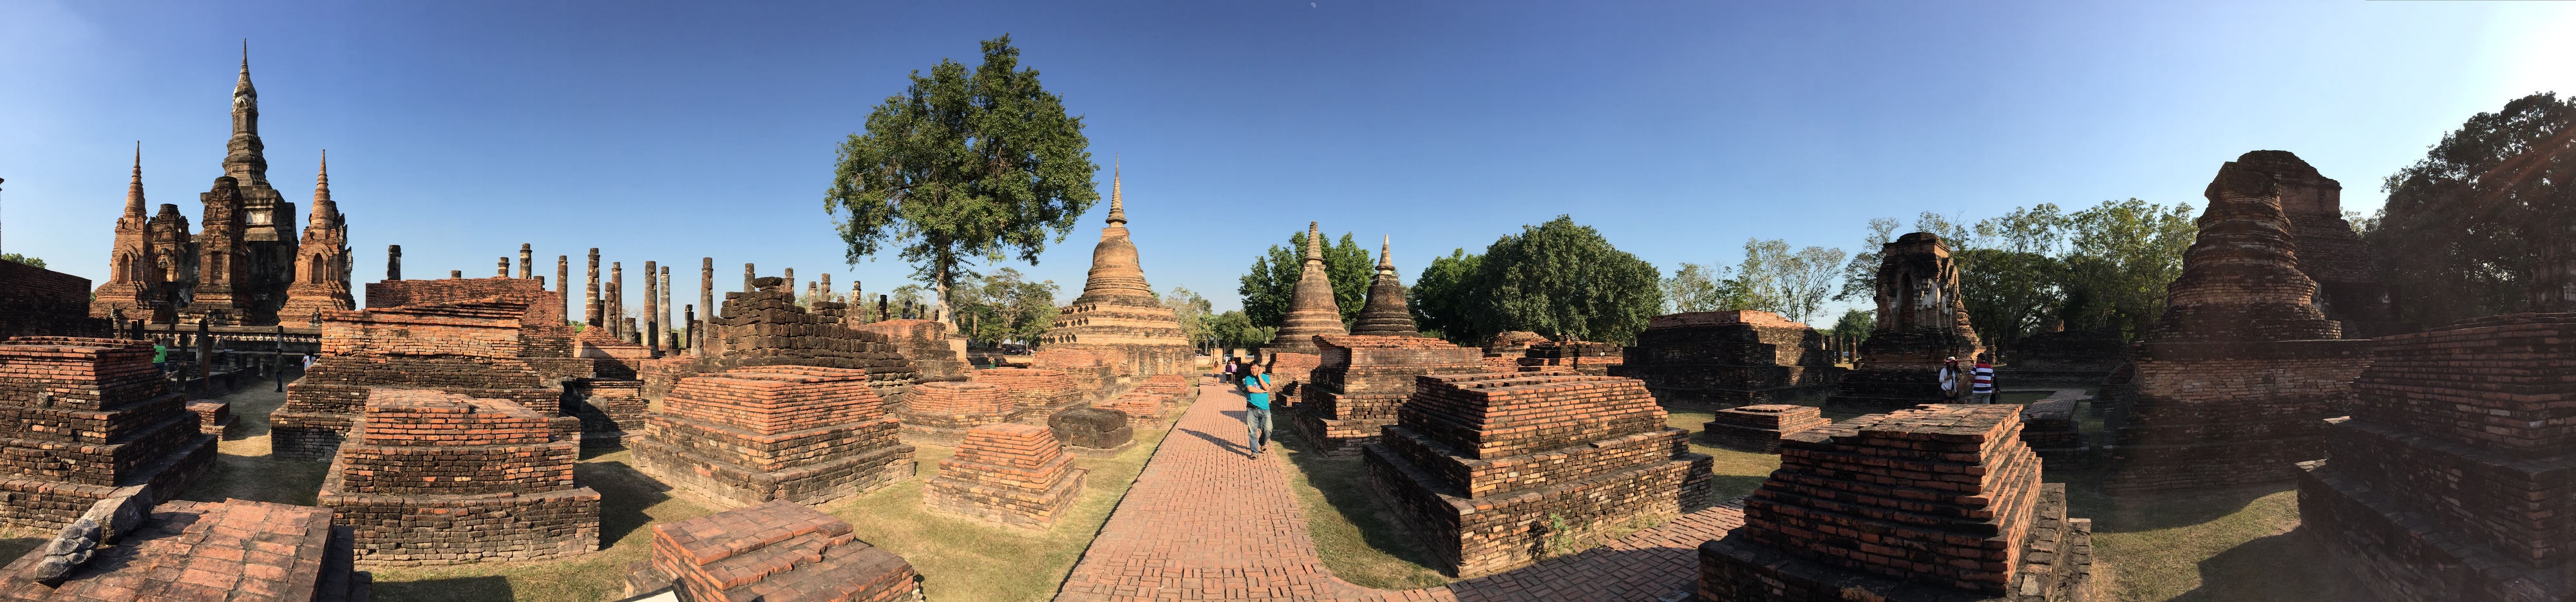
(1256, 407)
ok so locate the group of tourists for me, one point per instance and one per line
(1978, 382)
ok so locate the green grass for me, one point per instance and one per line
(629, 503)
(1354, 534)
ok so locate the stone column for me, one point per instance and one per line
(453, 274)
(689, 318)
(746, 278)
(652, 330)
(503, 267)
(527, 263)
(790, 284)
(393, 262)
(665, 318)
(706, 299)
(590, 300)
(563, 284)
(615, 299)
(823, 288)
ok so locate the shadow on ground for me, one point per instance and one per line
(478, 588)
(243, 468)
(624, 494)
(2255, 570)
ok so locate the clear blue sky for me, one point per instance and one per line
(671, 131)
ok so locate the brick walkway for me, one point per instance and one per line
(1204, 522)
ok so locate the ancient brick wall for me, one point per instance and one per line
(2449, 481)
(1038, 392)
(477, 349)
(1013, 474)
(942, 411)
(80, 417)
(1362, 379)
(1289, 373)
(1490, 470)
(1092, 374)
(776, 551)
(39, 302)
(425, 470)
(798, 433)
(766, 327)
(925, 344)
(1728, 358)
(1758, 428)
(609, 409)
(2048, 426)
(1942, 500)
(1144, 410)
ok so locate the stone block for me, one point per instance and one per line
(1092, 429)
(213, 417)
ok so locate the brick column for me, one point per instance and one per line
(590, 299)
(563, 283)
(393, 262)
(527, 263)
(652, 309)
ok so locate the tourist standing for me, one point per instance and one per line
(161, 358)
(1256, 408)
(1985, 378)
(1950, 380)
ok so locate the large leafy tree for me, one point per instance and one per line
(2120, 255)
(1793, 284)
(1005, 306)
(1234, 330)
(965, 165)
(1565, 280)
(1695, 287)
(1193, 311)
(2010, 274)
(1442, 299)
(2464, 228)
(1268, 285)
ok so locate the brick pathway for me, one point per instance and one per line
(1204, 522)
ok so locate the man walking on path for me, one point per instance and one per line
(1985, 379)
(1256, 408)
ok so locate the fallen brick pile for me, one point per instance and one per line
(1039, 393)
(1013, 474)
(235, 550)
(1937, 503)
(439, 478)
(749, 435)
(1363, 378)
(2450, 479)
(1921, 322)
(1723, 359)
(82, 417)
(476, 349)
(1491, 471)
(942, 411)
(1758, 428)
(2235, 382)
(776, 552)
(2049, 427)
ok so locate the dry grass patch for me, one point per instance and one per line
(243, 468)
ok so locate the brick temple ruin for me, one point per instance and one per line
(1724, 359)
(753, 434)
(1385, 313)
(1291, 356)
(943, 411)
(1094, 376)
(1503, 352)
(248, 266)
(1921, 322)
(1937, 503)
(1118, 315)
(491, 338)
(1012, 474)
(767, 327)
(1363, 379)
(431, 477)
(1484, 469)
(81, 418)
(778, 552)
(124, 549)
(923, 343)
(1582, 357)
(2449, 480)
(2331, 253)
(1038, 393)
(2233, 385)
(37, 302)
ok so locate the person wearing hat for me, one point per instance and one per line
(1950, 380)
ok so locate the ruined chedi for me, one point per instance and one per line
(1291, 355)
(1117, 315)
(2330, 252)
(1921, 322)
(2234, 384)
(1385, 315)
(322, 260)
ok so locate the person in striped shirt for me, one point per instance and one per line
(1984, 377)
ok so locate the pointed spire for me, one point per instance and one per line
(323, 209)
(1385, 314)
(242, 158)
(1117, 206)
(1385, 255)
(134, 189)
(1314, 242)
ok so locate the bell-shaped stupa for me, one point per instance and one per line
(1117, 315)
(1385, 315)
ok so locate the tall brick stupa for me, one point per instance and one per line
(1292, 355)
(321, 261)
(1385, 315)
(1117, 315)
(1921, 322)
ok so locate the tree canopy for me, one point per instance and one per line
(1695, 287)
(1440, 298)
(1193, 311)
(1004, 306)
(1558, 279)
(1268, 285)
(964, 165)
(2463, 227)
(21, 258)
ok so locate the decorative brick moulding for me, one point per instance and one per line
(750, 435)
(1723, 359)
(439, 478)
(2235, 382)
(1013, 474)
(1758, 428)
(942, 411)
(128, 550)
(1491, 471)
(1922, 321)
(82, 417)
(1039, 393)
(1940, 503)
(772, 552)
(1353, 395)
(2450, 481)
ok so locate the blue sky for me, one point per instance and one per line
(671, 131)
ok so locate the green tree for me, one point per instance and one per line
(1193, 310)
(1268, 285)
(1696, 287)
(2119, 258)
(2465, 228)
(1441, 299)
(1856, 323)
(1005, 306)
(33, 262)
(964, 165)
(1234, 330)
(1792, 284)
(2010, 278)
(1565, 280)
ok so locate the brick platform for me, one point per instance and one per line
(2450, 479)
(438, 478)
(1092, 431)
(2048, 426)
(1938, 503)
(213, 417)
(1723, 359)
(1092, 375)
(1143, 410)
(609, 409)
(750, 435)
(2235, 381)
(1040, 393)
(80, 418)
(1582, 357)
(197, 551)
(1921, 322)
(477, 349)
(942, 411)
(1013, 474)
(1482, 467)
(1174, 389)
(772, 552)
(1363, 378)
(1758, 428)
